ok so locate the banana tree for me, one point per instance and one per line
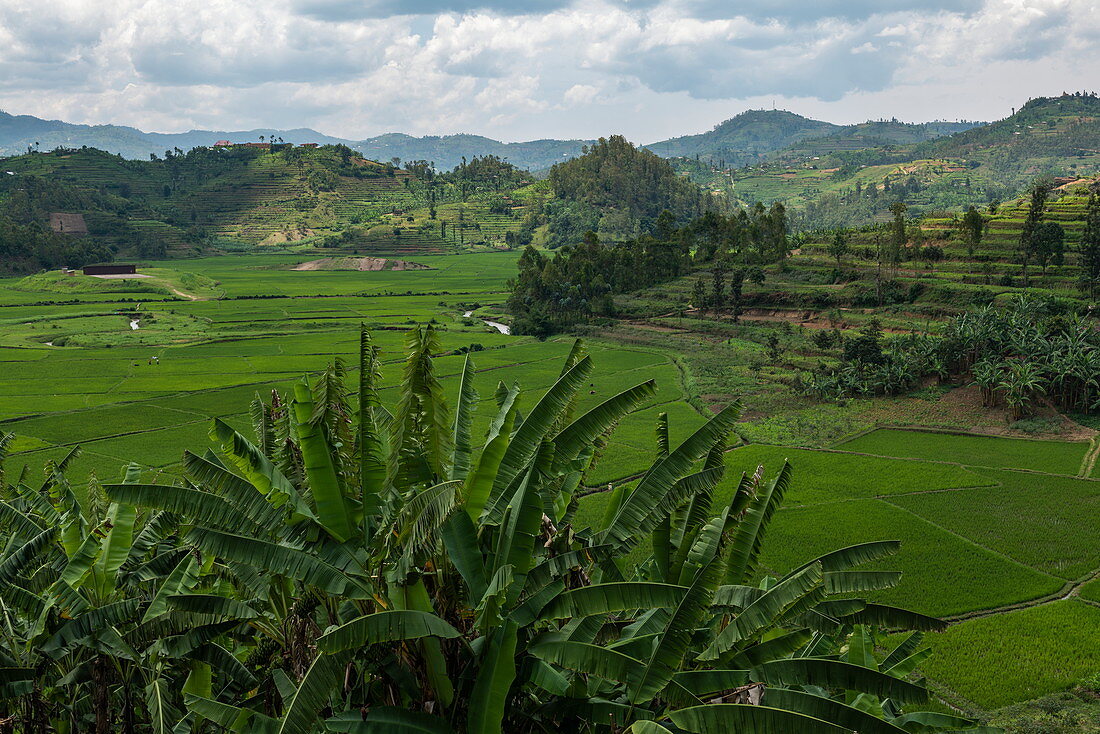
(1023, 382)
(369, 571)
(83, 590)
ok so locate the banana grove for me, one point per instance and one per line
(355, 567)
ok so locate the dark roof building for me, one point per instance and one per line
(113, 269)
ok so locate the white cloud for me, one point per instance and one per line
(580, 94)
(544, 68)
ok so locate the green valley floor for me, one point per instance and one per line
(998, 534)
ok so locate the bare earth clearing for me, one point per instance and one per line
(359, 263)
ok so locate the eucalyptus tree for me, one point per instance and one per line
(1089, 248)
(838, 247)
(1037, 201)
(972, 225)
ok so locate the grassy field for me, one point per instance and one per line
(967, 653)
(78, 374)
(973, 539)
(1056, 457)
(979, 534)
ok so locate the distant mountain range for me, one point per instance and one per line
(20, 132)
(743, 139)
(447, 151)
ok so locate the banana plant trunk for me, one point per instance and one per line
(30, 713)
(101, 695)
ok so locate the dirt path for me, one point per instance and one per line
(1089, 461)
(181, 294)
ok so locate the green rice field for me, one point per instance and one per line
(1004, 543)
(1056, 457)
(986, 523)
(966, 654)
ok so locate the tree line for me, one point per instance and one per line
(551, 293)
(618, 191)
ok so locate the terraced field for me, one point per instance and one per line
(809, 288)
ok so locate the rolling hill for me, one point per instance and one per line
(852, 176)
(873, 135)
(244, 197)
(1048, 135)
(827, 175)
(738, 141)
(18, 133)
(448, 151)
(745, 138)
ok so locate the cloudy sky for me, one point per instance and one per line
(523, 69)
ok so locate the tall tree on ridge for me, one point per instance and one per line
(838, 248)
(1089, 247)
(899, 235)
(699, 294)
(973, 226)
(718, 285)
(1036, 205)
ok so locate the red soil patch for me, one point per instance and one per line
(363, 264)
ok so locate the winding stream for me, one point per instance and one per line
(502, 328)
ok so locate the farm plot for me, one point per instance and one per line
(268, 275)
(834, 502)
(158, 448)
(972, 538)
(112, 420)
(1056, 457)
(1049, 523)
(147, 394)
(824, 476)
(165, 407)
(1031, 652)
(32, 465)
(639, 430)
(619, 460)
(943, 573)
